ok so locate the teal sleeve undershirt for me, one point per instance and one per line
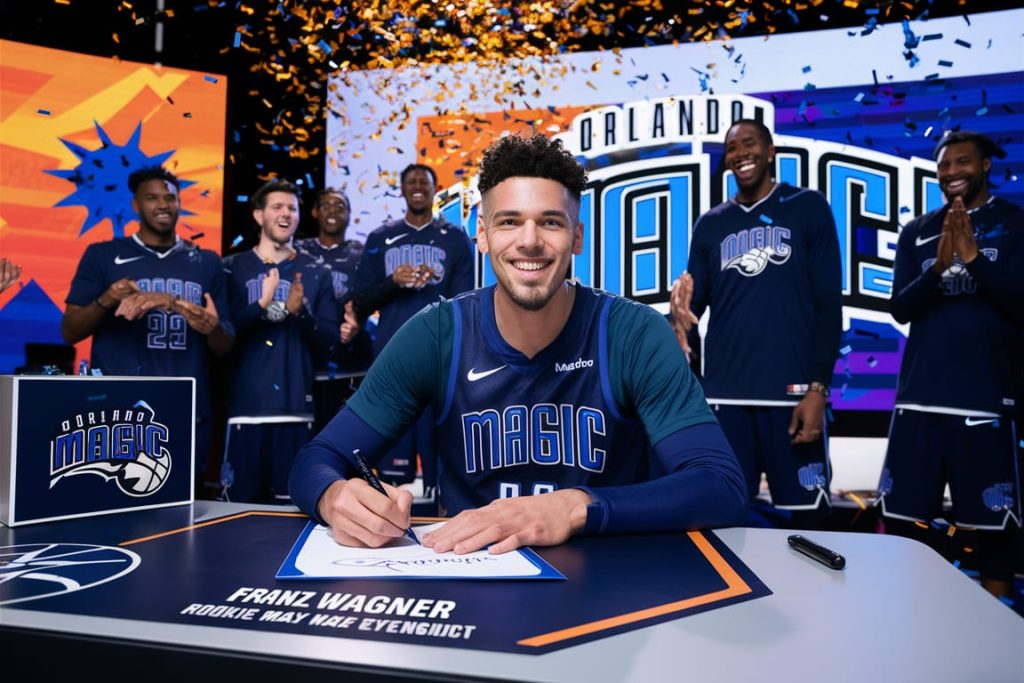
(410, 373)
(648, 372)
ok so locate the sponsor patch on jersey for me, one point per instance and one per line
(577, 364)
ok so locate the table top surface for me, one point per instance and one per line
(898, 611)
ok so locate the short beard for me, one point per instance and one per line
(533, 304)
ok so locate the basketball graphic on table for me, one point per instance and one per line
(145, 475)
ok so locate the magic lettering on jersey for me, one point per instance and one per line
(541, 434)
(166, 330)
(124, 445)
(956, 279)
(655, 167)
(254, 289)
(415, 255)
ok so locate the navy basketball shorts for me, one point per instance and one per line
(798, 474)
(976, 456)
(258, 459)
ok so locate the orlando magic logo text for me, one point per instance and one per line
(416, 255)
(543, 434)
(956, 279)
(750, 251)
(126, 446)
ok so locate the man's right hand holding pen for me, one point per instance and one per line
(359, 516)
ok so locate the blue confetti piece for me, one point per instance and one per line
(845, 350)
(1021, 444)
(872, 361)
(932, 36)
(945, 62)
(859, 97)
(44, 112)
(96, 372)
(871, 11)
(238, 38)
(235, 242)
(325, 46)
(981, 112)
(309, 180)
(277, 388)
(97, 397)
(767, 219)
(441, 23)
(962, 43)
(209, 79)
(931, 77)
(243, 197)
(956, 564)
(807, 69)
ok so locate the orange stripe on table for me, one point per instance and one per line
(219, 520)
(734, 586)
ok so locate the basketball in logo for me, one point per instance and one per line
(144, 476)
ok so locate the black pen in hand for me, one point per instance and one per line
(374, 482)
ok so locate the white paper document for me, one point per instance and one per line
(316, 555)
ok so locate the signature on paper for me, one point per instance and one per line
(399, 566)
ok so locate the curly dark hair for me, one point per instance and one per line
(141, 175)
(259, 199)
(984, 144)
(534, 157)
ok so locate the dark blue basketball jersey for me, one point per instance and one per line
(515, 426)
(966, 325)
(159, 343)
(583, 411)
(274, 361)
(771, 274)
(440, 245)
(343, 261)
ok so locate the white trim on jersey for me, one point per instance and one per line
(943, 410)
(268, 419)
(159, 254)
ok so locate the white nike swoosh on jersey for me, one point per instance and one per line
(970, 422)
(392, 240)
(118, 261)
(473, 375)
(925, 240)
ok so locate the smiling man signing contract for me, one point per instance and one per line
(560, 409)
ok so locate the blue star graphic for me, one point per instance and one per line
(101, 180)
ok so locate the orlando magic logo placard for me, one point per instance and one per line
(89, 445)
(127, 446)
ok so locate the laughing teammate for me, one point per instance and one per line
(959, 282)
(332, 211)
(560, 409)
(283, 307)
(408, 264)
(767, 263)
(153, 302)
